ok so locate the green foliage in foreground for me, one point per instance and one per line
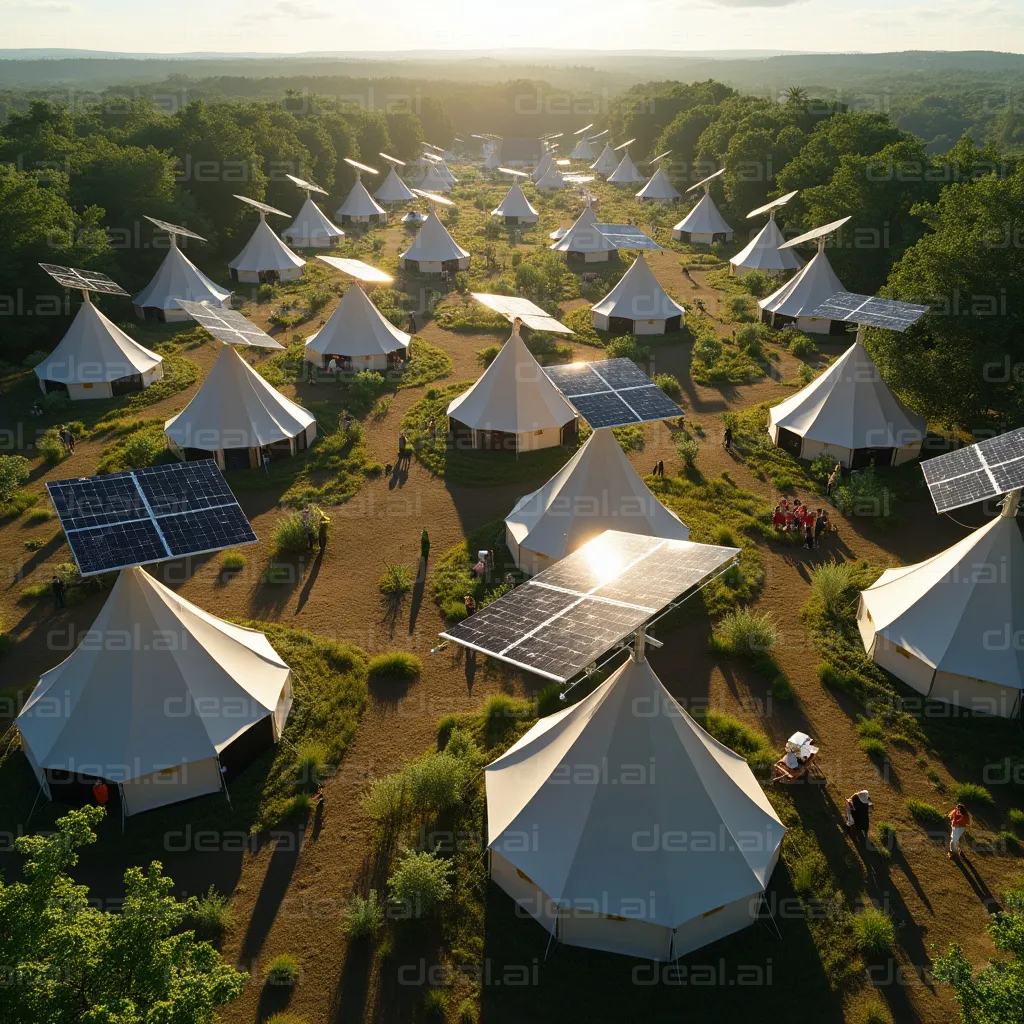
(76, 962)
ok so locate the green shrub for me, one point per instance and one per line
(232, 561)
(747, 632)
(283, 970)
(758, 284)
(707, 348)
(872, 1012)
(435, 1004)
(549, 700)
(802, 346)
(887, 836)
(874, 932)
(872, 747)
(627, 347)
(804, 374)
(299, 807)
(34, 358)
(210, 915)
(311, 765)
(688, 449)
(460, 744)
(387, 799)
(869, 727)
(395, 665)
(924, 813)
(289, 536)
(142, 448)
(1015, 818)
(669, 384)
(14, 471)
(501, 714)
(738, 308)
(55, 402)
(265, 293)
(38, 515)
(971, 793)
(831, 583)
(51, 447)
(467, 1012)
(420, 883)
(438, 781)
(363, 917)
(364, 389)
(738, 736)
(821, 467)
(864, 494)
(395, 580)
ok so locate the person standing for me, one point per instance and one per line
(424, 545)
(402, 449)
(727, 443)
(858, 814)
(808, 534)
(100, 793)
(832, 480)
(959, 818)
(433, 431)
(307, 517)
(470, 605)
(322, 532)
(60, 593)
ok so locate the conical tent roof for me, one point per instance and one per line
(659, 187)
(393, 189)
(357, 328)
(359, 203)
(586, 831)
(551, 179)
(493, 161)
(442, 169)
(639, 296)
(583, 150)
(434, 182)
(433, 244)
(596, 490)
(115, 698)
(763, 252)
(513, 395)
(704, 219)
(849, 405)
(515, 204)
(607, 161)
(265, 251)
(803, 293)
(940, 609)
(94, 350)
(312, 223)
(236, 408)
(546, 162)
(625, 173)
(179, 278)
(583, 236)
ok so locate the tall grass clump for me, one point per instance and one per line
(831, 584)
(290, 536)
(420, 883)
(925, 813)
(972, 793)
(396, 580)
(747, 632)
(874, 932)
(395, 665)
(363, 917)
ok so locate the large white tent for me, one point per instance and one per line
(703, 224)
(607, 161)
(443, 170)
(433, 181)
(434, 250)
(156, 714)
(850, 413)
(763, 254)
(266, 258)
(357, 334)
(946, 626)
(236, 417)
(584, 242)
(177, 278)
(360, 207)
(625, 173)
(393, 189)
(596, 490)
(659, 189)
(513, 406)
(546, 163)
(802, 294)
(551, 180)
(96, 359)
(515, 208)
(311, 229)
(583, 150)
(666, 844)
(637, 305)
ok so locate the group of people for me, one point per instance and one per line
(858, 821)
(314, 523)
(812, 523)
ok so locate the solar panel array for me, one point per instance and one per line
(84, 280)
(612, 393)
(148, 515)
(512, 306)
(983, 470)
(627, 236)
(870, 311)
(228, 325)
(173, 229)
(307, 186)
(561, 620)
(815, 233)
(262, 207)
(357, 268)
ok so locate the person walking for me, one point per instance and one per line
(959, 818)
(727, 441)
(858, 814)
(433, 431)
(808, 535)
(322, 532)
(60, 593)
(308, 518)
(100, 793)
(402, 448)
(424, 545)
(832, 481)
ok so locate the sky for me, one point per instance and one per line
(290, 26)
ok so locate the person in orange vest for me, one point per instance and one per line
(959, 819)
(100, 793)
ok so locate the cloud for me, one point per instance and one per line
(47, 6)
(304, 10)
(755, 3)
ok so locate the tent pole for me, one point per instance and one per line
(554, 934)
(771, 917)
(120, 793)
(224, 781)
(34, 802)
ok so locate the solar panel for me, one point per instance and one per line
(360, 167)
(392, 160)
(984, 470)
(173, 229)
(623, 145)
(814, 233)
(308, 186)
(584, 128)
(870, 311)
(655, 159)
(84, 280)
(627, 236)
(513, 171)
(148, 515)
(773, 205)
(612, 393)
(705, 181)
(559, 622)
(512, 306)
(228, 325)
(577, 179)
(433, 197)
(357, 268)
(262, 207)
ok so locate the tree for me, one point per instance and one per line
(13, 473)
(995, 994)
(74, 962)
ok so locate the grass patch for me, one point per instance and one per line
(972, 794)
(925, 813)
(395, 665)
(283, 971)
(232, 561)
(396, 580)
(139, 443)
(426, 364)
(874, 932)
(363, 917)
(452, 576)
(873, 747)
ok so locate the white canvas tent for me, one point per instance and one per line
(493, 160)
(515, 208)
(583, 150)
(637, 305)
(850, 413)
(177, 278)
(236, 417)
(803, 293)
(945, 626)
(266, 258)
(434, 250)
(443, 170)
(659, 189)
(156, 696)
(607, 161)
(393, 189)
(542, 168)
(311, 229)
(96, 359)
(587, 814)
(433, 181)
(357, 334)
(763, 254)
(551, 180)
(625, 173)
(596, 490)
(703, 224)
(360, 207)
(584, 242)
(513, 406)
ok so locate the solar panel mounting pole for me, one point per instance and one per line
(1010, 504)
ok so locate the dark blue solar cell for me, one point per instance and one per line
(211, 529)
(114, 546)
(184, 487)
(650, 403)
(575, 379)
(93, 501)
(604, 410)
(621, 373)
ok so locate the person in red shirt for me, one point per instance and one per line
(778, 518)
(959, 819)
(100, 793)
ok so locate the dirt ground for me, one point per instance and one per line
(290, 900)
